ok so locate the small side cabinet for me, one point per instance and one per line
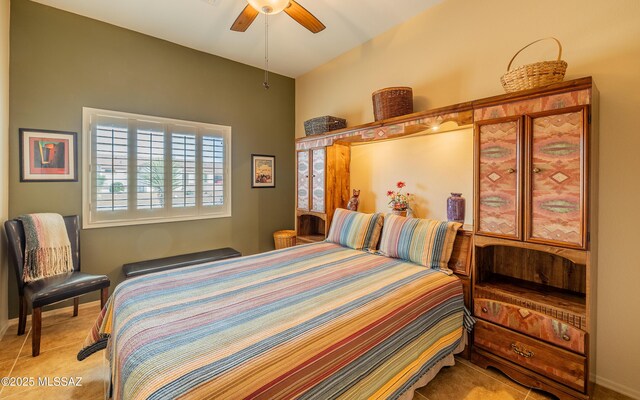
(322, 177)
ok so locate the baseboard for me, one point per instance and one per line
(3, 328)
(622, 389)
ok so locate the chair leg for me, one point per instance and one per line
(104, 295)
(22, 316)
(76, 302)
(36, 325)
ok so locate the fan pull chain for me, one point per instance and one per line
(266, 52)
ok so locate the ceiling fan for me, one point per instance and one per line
(270, 7)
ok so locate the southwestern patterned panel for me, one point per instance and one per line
(303, 180)
(319, 321)
(531, 323)
(498, 179)
(319, 157)
(545, 103)
(556, 179)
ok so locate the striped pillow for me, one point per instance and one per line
(422, 241)
(355, 230)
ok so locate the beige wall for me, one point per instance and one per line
(4, 153)
(61, 62)
(432, 166)
(457, 51)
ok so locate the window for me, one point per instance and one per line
(140, 169)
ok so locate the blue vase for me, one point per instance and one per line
(455, 208)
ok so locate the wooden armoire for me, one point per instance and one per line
(535, 163)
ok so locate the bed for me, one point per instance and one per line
(317, 321)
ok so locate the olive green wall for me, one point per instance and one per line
(61, 62)
(4, 151)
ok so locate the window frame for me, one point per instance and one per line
(170, 213)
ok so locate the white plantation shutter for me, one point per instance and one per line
(142, 169)
(183, 168)
(213, 172)
(110, 163)
(150, 166)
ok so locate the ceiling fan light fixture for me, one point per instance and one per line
(269, 6)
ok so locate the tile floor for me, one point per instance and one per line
(63, 335)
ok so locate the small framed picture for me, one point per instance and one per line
(48, 156)
(263, 171)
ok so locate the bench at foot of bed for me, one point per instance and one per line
(184, 260)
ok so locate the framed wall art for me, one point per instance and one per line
(263, 171)
(48, 156)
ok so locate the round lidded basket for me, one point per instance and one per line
(392, 102)
(284, 239)
(534, 75)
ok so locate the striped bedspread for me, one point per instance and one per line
(318, 321)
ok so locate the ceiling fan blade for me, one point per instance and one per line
(245, 19)
(304, 17)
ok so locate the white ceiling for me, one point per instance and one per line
(293, 50)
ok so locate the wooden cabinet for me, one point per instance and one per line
(322, 177)
(534, 268)
(548, 160)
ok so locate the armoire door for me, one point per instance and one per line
(318, 178)
(303, 179)
(556, 166)
(498, 177)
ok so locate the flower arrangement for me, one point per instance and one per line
(399, 201)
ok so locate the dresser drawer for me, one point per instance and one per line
(532, 323)
(555, 363)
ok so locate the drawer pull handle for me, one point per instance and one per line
(511, 170)
(566, 337)
(485, 310)
(536, 170)
(523, 353)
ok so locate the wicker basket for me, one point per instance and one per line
(534, 75)
(283, 239)
(320, 125)
(392, 102)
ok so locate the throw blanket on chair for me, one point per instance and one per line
(47, 249)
